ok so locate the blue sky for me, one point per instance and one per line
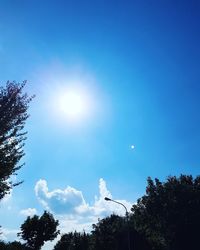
(136, 65)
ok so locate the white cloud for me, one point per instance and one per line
(71, 209)
(8, 234)
(104, 208)
(59, 201)
(28, 212)
(6, 202)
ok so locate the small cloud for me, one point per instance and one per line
(28, 212)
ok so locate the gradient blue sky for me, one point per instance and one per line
(139, 63)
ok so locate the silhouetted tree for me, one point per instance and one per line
(12, 246)
(37, 230)
(73, 241)
(13, 115)
(65, 242)
(115, 232)
(169, 213)
(109, 233)
(2, 245)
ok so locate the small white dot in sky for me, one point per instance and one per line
(132, 146)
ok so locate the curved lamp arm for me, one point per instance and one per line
(108, 199)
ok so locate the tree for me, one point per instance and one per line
(108, 233)
(115, 232)
(15, 245)
(37, 230)
(73, 241)
(65, 242)
(169, 213)
(2, 245)
(13, 115)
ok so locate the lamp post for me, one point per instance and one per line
(108, 199)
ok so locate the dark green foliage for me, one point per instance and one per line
(15, 246)
(37, 230)
(13, 115)
(117, 233)
(110, 233)
(2, 245)
(12, 246)
(169, 213)
(73, 241)
(66, 242)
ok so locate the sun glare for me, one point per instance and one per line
(72, 104)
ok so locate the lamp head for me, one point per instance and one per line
(107, 199)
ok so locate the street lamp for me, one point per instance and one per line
(108, 199)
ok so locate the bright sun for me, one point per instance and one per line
(72, 104)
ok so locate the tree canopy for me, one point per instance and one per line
(169, 213)
(15, 245)
(73, 241)
(14, 105)
(37, 230)
(113, 232)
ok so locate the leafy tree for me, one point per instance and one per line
(109, 233)
(13, 115)
(65, 242)
(2, 245)
(169, 213)
(115, 232)
(12, 246)
(73, 241)
(37, 230)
